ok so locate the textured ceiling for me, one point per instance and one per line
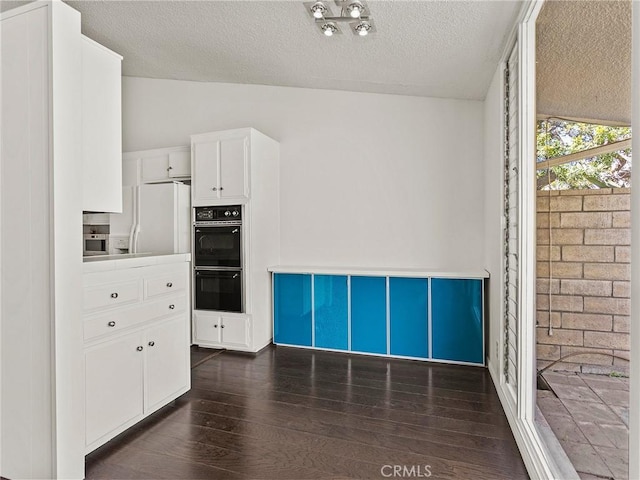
(426, 48)
(584, 60)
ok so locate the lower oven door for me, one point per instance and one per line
(219, 290)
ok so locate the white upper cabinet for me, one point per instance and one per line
(180, 164)
(156, 166)
(165, 164)
(221, 167)
(101, 128)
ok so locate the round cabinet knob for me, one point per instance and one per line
(114, 295)
(221, 326)
(152, 343)
(221, 188)
(215, 326)
(171, 307)
(235, 213)
(111, 324)
(139, 348)
(169, 285)
(215, 189)
(227, 213)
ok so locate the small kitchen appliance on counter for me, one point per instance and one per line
(95, 230)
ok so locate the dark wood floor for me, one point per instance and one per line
(297, 414)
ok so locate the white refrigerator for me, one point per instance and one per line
(155, 218)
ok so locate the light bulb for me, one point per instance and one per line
(355, 10)
(318, 9)
(363, 28)
(328, 31)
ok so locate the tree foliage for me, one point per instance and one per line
(556, 138)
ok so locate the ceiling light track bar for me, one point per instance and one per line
(342, 19)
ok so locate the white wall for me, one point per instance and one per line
(493, 239)
(366, 179)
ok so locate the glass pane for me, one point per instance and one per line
(408, 310)
(331, 316)
(369, 314)
(457, 320)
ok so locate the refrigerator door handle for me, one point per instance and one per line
(136, 220)
(135, 238)
(132, 233)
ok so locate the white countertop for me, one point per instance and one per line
(381, 271)
(102, 263)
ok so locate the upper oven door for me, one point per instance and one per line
(217, 246)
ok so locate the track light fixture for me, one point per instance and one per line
(318, 10)
(363, 28)
(355, 9)
(353, 12)
(329, 29)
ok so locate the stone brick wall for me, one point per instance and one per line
(589, 290)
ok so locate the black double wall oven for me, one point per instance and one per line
(217, 258)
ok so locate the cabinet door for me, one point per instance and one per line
(234, 331)
(154, 168)
(457, 319)
(114, 385)
(205, 172)
(206, 328)
(369, 314)
(180, 164)
(330, 310)
(292, 309)
(408, 317)
(233, 168)
(167, 366)
(101, 135)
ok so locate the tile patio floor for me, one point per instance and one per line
(590, 418)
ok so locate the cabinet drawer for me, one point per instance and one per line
(168, 283)
(105, 296)
(97, 326)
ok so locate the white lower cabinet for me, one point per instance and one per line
(114, 385)
(166, 367)
(136, 353)
(216, 329)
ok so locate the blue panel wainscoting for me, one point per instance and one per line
(330, 296)
(409, 317)
(417, 315)
(369, 314)
(457, 326)
(292, 309)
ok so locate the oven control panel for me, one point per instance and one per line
(212, 214)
